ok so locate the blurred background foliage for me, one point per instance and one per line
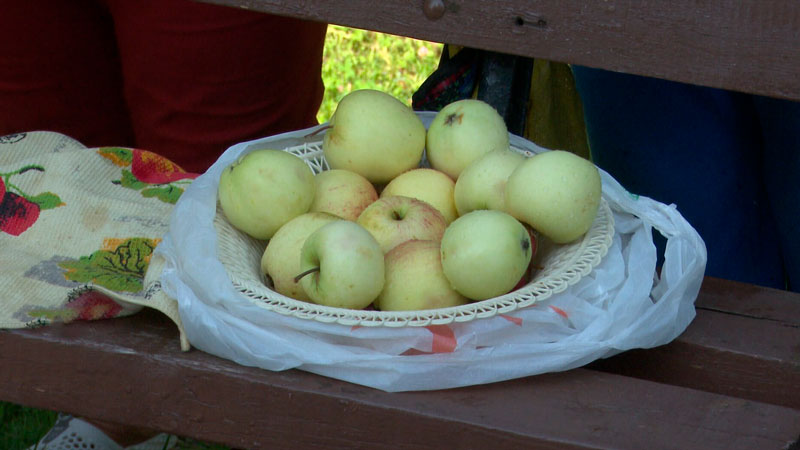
(360, 59)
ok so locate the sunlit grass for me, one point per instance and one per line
(359, 59)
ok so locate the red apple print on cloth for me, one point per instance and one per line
(92, 305)
(149, 167)
(16, 213)
(150, 174)
(83, 303)
(18, 210)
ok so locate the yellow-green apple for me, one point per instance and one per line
(526, 277)
(341, 266)
(557, 193)
(428, 185)
(482, 184)
(374, 134)
(281, 259)
(415, 280)
(342, 193)
(461, 132)
(396, 219)
(485, 253)
(264, 189)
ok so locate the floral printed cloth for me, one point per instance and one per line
(78, 227)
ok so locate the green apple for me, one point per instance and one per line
(461, 132)
(485, 253)
(482, 184)
(264, 189)
(415, 279)
(342, 193)
(428, 185)
(281, 259)
(396, 219)
(341, 266)
(532, 266)
(374, 134)
(557, 193)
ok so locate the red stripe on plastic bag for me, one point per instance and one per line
(444, 340)
(560, 311)
(515, 320)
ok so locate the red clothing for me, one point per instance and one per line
(177, 77)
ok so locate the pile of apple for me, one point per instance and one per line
(379, 230)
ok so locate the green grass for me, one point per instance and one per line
(353, 59)
(21, 427)
(359, 59)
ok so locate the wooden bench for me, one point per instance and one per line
(743, 45)
(730, 381)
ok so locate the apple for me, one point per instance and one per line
(281, 259)
(415, 279)
(341, 266)
(485, 253)
(264, 189)
(482, 184)
(374, 134)
(396, 219)
(342, 193)
(428, 185)
(463, 131)
(557, 193)
(526, 277)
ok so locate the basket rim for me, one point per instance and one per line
(582, 256)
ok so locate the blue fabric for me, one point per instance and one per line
(729, 161)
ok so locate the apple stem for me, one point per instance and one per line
(315, 132)
(311, 270)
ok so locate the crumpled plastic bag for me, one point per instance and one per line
(621, 305)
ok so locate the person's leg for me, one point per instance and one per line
(59, 72)
(699, 148)
(780, 122)
(199, 77)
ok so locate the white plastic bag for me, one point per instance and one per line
(619, 306)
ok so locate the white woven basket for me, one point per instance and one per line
(559, 267)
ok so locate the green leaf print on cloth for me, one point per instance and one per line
(117, 267)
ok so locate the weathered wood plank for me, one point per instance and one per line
(132, 371)
(749, 300)
(744, 342)
(744, 45)
(714, 355)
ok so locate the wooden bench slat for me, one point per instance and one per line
(132, 371)
(744, 342)
(722, 369)
(750, 300)
(744, 45)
